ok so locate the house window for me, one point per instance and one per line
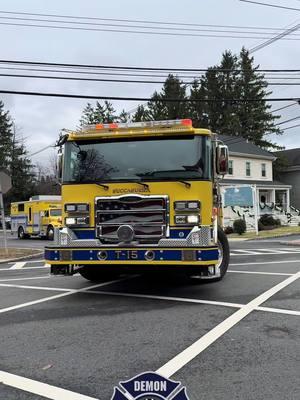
(248, 168)
(263, 170)
(230, 167)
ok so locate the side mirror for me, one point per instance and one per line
(59, 164)
(222, 159)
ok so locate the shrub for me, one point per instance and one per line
(228, 230)
(269, 220)
(239, 226)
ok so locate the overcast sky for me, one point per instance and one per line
(40, 119)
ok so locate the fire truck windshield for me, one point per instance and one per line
(171, 158)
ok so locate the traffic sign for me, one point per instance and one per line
(5, 181)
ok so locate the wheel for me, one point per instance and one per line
(224, 255)
(21, 233)
(50, 233)
(96, 274)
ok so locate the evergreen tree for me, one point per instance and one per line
(99, 114)
(255, 121)
(160, 109)
(235, 78)
(141, 114)
(6, 135)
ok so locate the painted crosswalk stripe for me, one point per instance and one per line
(18, 265)
(247, 252)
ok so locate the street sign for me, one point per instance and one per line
(5, 181)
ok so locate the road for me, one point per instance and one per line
(81, 339)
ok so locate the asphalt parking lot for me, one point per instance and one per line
(67, 338)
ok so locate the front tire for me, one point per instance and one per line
(224, 255)
(21, 233)
(97, 274)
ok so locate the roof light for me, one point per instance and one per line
(173, 123)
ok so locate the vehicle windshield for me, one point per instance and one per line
(55, 212)
(173, 158)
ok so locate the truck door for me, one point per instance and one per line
(36, 222)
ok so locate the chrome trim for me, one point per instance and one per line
(165, 216)
(71, 240)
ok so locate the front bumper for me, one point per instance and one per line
(196, 249)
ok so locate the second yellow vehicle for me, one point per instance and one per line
(38, 216)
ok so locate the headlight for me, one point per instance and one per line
(192, 205)
(70, 221)
(80, 207)
(187, 219)
(77, 221)
(193, 219)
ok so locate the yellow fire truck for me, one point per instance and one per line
(37, 217)
(139, 197)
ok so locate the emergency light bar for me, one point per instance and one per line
(172, 123)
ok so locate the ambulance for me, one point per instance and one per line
(140, 197)
(38, 216)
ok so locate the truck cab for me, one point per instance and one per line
(140, 197)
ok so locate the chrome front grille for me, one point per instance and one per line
(148, 216)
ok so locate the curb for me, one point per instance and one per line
(275, 236)
(291, 243)
(7, 260)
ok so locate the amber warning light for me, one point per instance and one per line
(175, 123)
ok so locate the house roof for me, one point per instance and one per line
(240, 146)
(292, 156)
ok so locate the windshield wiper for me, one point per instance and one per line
(105, 187)
(185, 183)
(145, 185)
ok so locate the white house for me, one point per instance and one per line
(251, 165)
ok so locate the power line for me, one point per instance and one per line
(120, 98)
(41, 150)
(291, 127)
(288, 120)
(270, 5)
(267, 31)
(72, 78)
(167, 23)
(136, 31)
(275, 39)
(135, 68)
(290, 105)
(86, 79)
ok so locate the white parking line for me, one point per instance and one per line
(57, 296)
(24, 269)
(278, 310)
(39, 388)
(18, 265)
(30, 261)
(183, 358)
(34, 287)
(259, 272)
(167, 298)
(268, 262)
(244, 252)
(26, 279)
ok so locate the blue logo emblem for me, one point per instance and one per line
(150, 386)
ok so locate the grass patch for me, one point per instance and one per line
(281, 231)
(16, 253)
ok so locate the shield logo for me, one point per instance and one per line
(150, 386)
